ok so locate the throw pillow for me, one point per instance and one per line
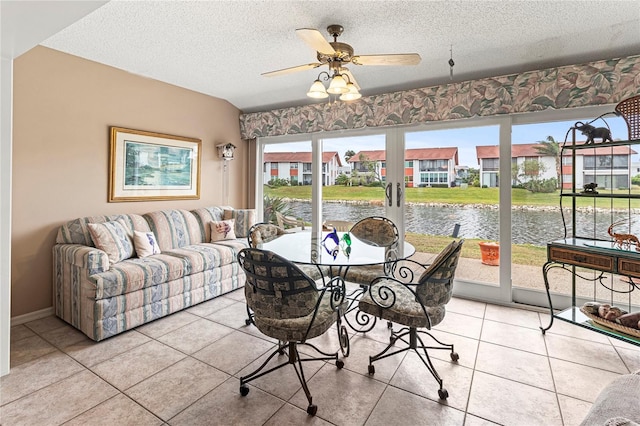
(145, 243)
(223, 230)
(114, 238)
(245, 219)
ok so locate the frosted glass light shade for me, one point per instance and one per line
(338, 85)
(352, 94)
(317, 90)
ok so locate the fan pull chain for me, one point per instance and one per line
(451, 63)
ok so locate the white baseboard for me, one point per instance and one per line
(32, 316)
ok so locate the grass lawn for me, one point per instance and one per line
(471, 195)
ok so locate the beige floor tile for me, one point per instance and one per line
(233, 352)
(19, 332)
(28, 349)
(63, 337)
(135, 365)
(516, 365)
(225, 405)
(290, 415)
(167, 324)
(89, 353)
(598, 355)
(464, 325)
(328, 390)
(511, 403)
(175, 388)
(630, 357)
(237, 295)
(283, 382)
(571, 330)
(195, 336)
(119, 410)
(362, 347)
(46, 324)
(623, 344)
(59, 402)
(513, 316)
(514, 336)
(210, 306)
(579, 381)
(413, 376)
(573, 410)
(34, 375)
(412, 409)
(234, 315)
(466, 307)
(471, 420)
(465, 347)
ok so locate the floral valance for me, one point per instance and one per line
(596, 83)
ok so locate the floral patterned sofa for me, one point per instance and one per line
(114, 273)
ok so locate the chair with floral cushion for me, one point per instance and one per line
(376, 231)
(288, 306)
(414, 305)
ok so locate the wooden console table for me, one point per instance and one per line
(598, 255)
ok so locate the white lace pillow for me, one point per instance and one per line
(145, 243)
(223, 230)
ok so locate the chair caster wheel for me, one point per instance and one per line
(389, 324)
(312, 409)
(443, 394)
(372, 370)
(248, 321)
(454, 356)
(340, 363)
(244, 390)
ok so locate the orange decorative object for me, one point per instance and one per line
(490, 253)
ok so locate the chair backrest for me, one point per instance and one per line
(376, 230)
(276, 288)
(262, 233)
(436, 282)
(339, 225)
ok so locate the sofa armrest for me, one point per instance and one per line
(90, 258)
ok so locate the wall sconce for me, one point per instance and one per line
(226, 150)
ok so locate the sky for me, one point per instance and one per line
(466, 139)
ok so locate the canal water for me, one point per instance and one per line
(529, 225)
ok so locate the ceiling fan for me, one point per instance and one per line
(336, 55)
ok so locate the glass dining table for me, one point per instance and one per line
(334, 253)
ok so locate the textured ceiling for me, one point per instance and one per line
(220, 48)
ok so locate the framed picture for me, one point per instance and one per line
(147, 166)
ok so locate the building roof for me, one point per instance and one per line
(412, 154)
(298, 157)
(529, 150)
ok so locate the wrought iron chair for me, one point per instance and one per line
(288, 306)
(338, 225)
(377, 231)
(414, 305)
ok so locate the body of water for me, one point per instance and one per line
(529, 226)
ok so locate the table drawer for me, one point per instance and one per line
(630, 267)
(581, 258)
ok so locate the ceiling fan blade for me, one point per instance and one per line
(315, 40)
(345, 71)
(291, 69)
(391, 59)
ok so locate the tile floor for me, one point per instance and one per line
(184, 369)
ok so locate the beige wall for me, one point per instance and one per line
(63, 107)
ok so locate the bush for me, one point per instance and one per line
(635, 180)
(542, 185)
(277, 182)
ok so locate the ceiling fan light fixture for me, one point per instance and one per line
(317, 90)
(352, 94)
(338, 85)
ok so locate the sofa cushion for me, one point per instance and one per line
(175, 228)
(245, 219)
(206, 215)
(145, 243)
(114, 238)
(77, 231)
(223, 230)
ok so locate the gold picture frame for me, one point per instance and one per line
(148, 166)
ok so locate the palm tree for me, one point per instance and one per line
(551, 148)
